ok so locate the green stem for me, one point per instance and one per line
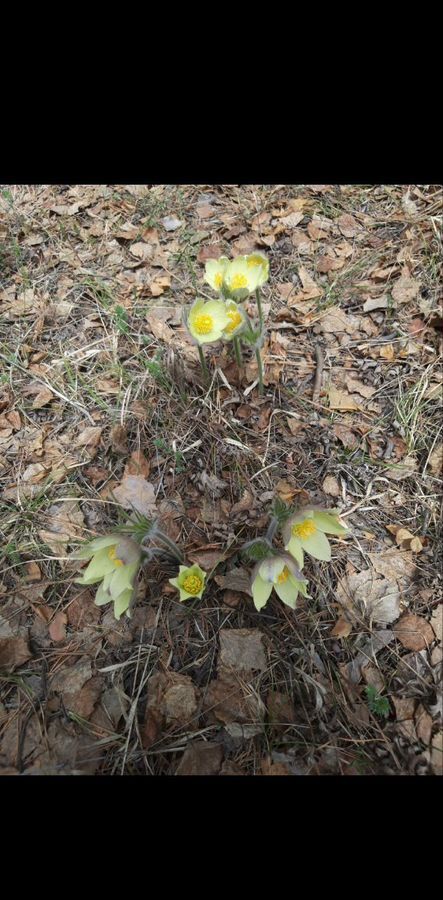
(260, 371)
(238, 353)
(171, 544)
(273, 525)
(259, 307)
(203, 362)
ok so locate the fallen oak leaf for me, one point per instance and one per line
(342, 628)
(137, 494)
(414, 632)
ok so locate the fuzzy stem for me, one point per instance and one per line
(203, 362)
(260, 371)
(238, 353)
(259, 307)
(273, 525)
(171, 544)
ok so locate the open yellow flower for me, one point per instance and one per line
(278, 573)
(259, 263)
(215, 272)
(237, 321)
(241, 279)
(115, 563)
(306, 531)
(206, 320)
(190, 582)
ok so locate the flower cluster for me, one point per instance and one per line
(115, 561)
(234, 280)
(304, 532)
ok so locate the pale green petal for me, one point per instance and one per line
(123, 579)
(217, 311)
(240, 267)
(91, 547)
(214, 268)
(317, 545)
(121, 603)
(288, 591)
(271, 568)
(102, 596)
(327, 522)
(99, 566)
(295, 548)
(261, 591)
(260, 265)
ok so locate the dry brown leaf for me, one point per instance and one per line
(406, 288)
(207, 558)
(137, 464)
(336, 321)
(346, 436)
(237, 579)
(342, 628)
(158, 326)
(43, 397)
(437, 622)
(357, 387)
(201, 758)
(423, 725)
(342, 400)
(89, 437)
(136, 493)
(331, 486)
(394, 564)
(387, 352)
(292, 220)
(57, 628)
(119, 439)
(414, 632)
(376, 303)
(14, 651)
(348, 226)
(435, 461)
(209, 251)
(66, 522)
(241, 649)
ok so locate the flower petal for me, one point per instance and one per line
(261, 591)
(102, 596)
(99, 566)
(123, 579)
(317, 545)
(288, 591)
(271, 568)
(121, 603)
(329, 523)
(295, 548)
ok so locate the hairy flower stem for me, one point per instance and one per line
(171, 545)
(260, 371)
(273, 525)
(203, 362)
(238, 353)
(259, 307)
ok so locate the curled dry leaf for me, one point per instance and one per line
(414, 632)
(342, 628)
(242, 649)
(14, 651)
(238, 579)
(201, 758)
(57, 628)
(435, 461)
(331, 486)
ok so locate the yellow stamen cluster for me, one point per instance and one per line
(192, 584)
(112, 554)
(218, 280)
(238, 281)
(254, 261)
(284, 575)
(235, 319)
(203, 323)
(304, 529)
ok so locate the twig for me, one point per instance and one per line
(318, 373)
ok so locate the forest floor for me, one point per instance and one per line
(101, 390)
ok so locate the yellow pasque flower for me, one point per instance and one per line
(237, 320)
(206, 320)
(259, 263)
(307, 530)
(115, 563)
(215, 272)
(190, 582)
(278, 573)
(241, 279)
